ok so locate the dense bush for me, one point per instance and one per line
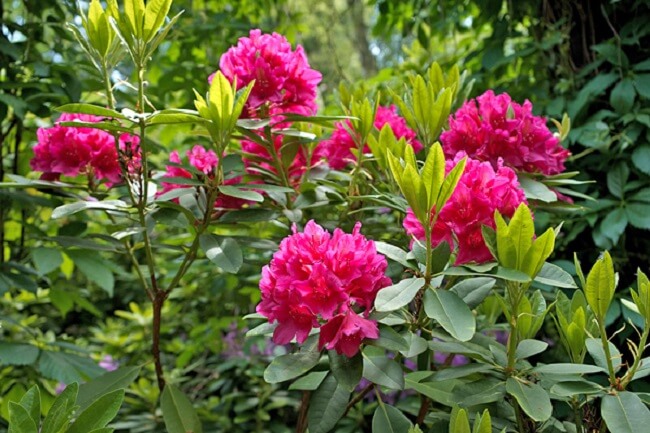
(398, 282)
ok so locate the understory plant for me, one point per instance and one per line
(400, 283)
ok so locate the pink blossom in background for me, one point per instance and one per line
(205, 161)
(317, 279)
(72, 150)
(480, 191)
(283, 78)
(493, 126)
(337, 149)
(261, 157)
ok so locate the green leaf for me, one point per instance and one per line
(438, 391)
(415, 344)
(383, 371)
(72, 208)
(461, 371)
(19, 420)
(532, 398)
(46, 259)
(567, 368)
(474, 290)
(111, 381)
(555, 276)
(595, 349)
(389, 339)
(31, 401)
(178, 413)
(622, 96)
(440, 257)
(450, 312)
(67, 367)
(95, 110)
(173, 116)
(450, 182)
(433, 174)
(347, 371)
(327, 405)
(17, 353)
(599, 290)
(398, 295)
(309, 382)
(99, 413)
(290, 366)
(536, 190)
(576, 387)
(641, 158)
(638, 214)
(241, 193)
(613, 225)
(625, 412)
(61, 411)
(617, 178)
(93, 266)
(226, 254)
(394, 253)
(388, 419)
(528, 348)
(539, 251)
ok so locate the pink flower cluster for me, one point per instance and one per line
(480, 191)
(204, 161)
(283, 78)
(327, 281)
(337, 149)
(74, 150)
(493, 126)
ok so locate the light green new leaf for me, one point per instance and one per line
(600, 285)
(532, 398)
(154, 17)
(134, 10)
(450, 182)
(625, 412)
(388, 419)
(521, 230)
(433, 174)
(506, 251)
(178, 413)
(537, 254)
(459, 422)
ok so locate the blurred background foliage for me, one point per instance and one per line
(588, 58)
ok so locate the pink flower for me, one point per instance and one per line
(259, 159)
(283, 79)
(317, 278)
(492, 127)
(345, 332)
(71, 150)
(205, 161)
(480, 191)
(337, 149)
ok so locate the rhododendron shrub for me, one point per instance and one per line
(284, 81)
(480, 191)
(337, 149)
(75, 150)
(256, 157)
(205, 161)
(493, 127)
(327, 281)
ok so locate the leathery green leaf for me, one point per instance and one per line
(625, 412)
(532, 398)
